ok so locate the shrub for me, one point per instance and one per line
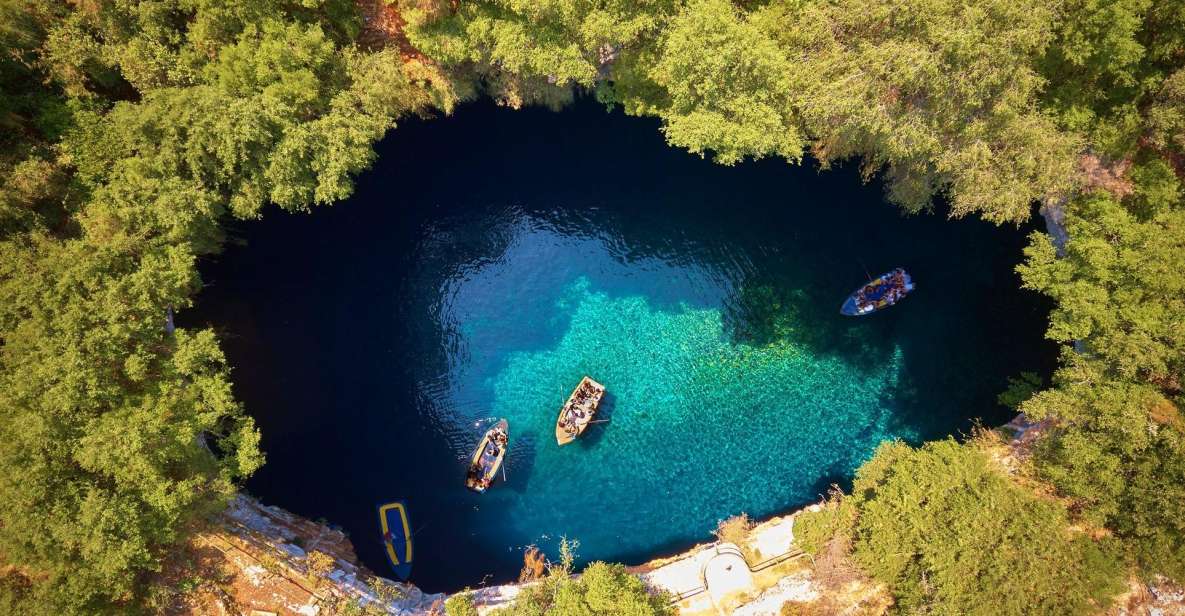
(386, 590)
(735, 529)
(602, 588)
(317, 564)
(950, 534)
(460, 604)
(534, 564)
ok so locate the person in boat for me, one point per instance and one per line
(862, 298)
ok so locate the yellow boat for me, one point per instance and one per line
(578, 412)
(487, 458)
(393, 520)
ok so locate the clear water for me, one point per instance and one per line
(492, 259)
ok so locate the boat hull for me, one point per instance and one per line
(396, 526)
(484, 469)
(588, 411)
(852, 307)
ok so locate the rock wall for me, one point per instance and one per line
(261, 561)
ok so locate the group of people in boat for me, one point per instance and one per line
(887, 289)
(480, 475)
(576, 412)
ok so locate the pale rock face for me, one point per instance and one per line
(271, 560)
(792, 588)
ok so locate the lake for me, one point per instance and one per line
(491, 259)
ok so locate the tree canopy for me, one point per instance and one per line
(133, 128)
(117, 433)
(950, 533)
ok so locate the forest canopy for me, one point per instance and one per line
(133, 129)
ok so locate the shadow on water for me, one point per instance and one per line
(765, 313)
(833, 477)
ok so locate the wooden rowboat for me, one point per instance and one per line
(487, 458)
(579, 411)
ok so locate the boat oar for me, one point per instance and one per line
(598, 421)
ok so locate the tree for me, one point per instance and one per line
(942, 94)
(951, 534)
(602, 588)
(1119, 288)
(725, 87)
(1118, 450)
(107, 419)
(117, 434)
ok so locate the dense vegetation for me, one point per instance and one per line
(602, 588)
(133, 127)
(953, 534)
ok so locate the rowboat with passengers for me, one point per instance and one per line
(487, 458)
(578, 412)
(880, 293)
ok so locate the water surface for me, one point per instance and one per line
(491, 259)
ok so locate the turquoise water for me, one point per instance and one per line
(492, 259)
(696, 417)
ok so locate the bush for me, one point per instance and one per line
(534, 564)
(318, 565)
(735, 529)
(460, 604)
(602, 588)
(950, 534)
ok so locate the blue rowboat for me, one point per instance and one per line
(880, 293)
(396, 526)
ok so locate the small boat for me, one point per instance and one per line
(578, 412)
(878, 294)
(396, 527)
(487, 458)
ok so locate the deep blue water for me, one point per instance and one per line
(492, 258)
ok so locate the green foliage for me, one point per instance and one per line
(950, 534)
(460, 604)
(1020, 389)
(834, 520)
(1119, 452)
(1166, 115)
(602, 588)
(566, 40)
(1107, 58)
(106, 417)
(945, 100)
(532, 52)
(282, 117)
(726, 87)
(130, 129)
(1096, 61)
(941, 94)
(117, 436)
(1156, 188)
(1116, 447)
(1120, 287)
